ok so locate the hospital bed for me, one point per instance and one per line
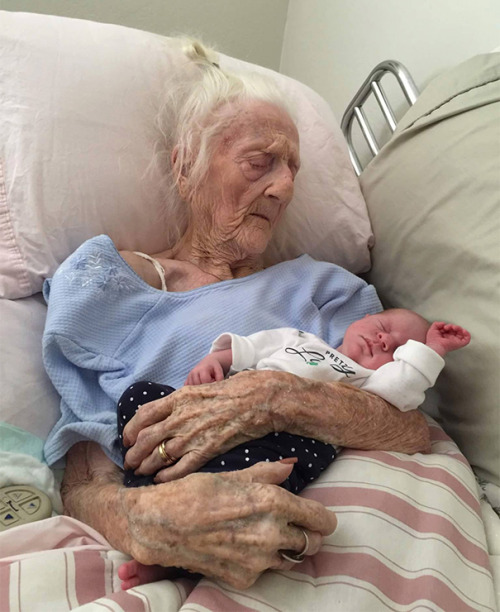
(77, 140)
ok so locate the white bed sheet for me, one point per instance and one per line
(410, 537)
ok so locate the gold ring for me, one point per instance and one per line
(294, 557)
(163, 453)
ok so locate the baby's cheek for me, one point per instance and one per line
(378, 361)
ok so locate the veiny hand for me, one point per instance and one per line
(199, 423)
(208, 370)
(445, 337)
(229, 526)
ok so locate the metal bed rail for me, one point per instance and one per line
(370, 87)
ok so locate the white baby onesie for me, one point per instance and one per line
(401, 382)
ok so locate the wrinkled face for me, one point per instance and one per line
(250, 180)
(371, 341)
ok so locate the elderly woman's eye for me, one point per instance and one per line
(258, 163)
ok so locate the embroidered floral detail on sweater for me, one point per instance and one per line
(94, 270)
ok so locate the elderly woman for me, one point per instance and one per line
(115, 318)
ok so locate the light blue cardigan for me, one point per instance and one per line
(107, 328)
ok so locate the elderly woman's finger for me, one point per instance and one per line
(304, 513)
(265, 472)
(305, 541)
(298, 544)
(143, 455)
(314, 517)
(183, 467)
(147, 415)
(145, 459)
(158, 455)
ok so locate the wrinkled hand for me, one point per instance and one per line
(199, 423)
(445, 337)
(208, 370)
(229, 526)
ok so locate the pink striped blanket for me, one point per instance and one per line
(410, 537)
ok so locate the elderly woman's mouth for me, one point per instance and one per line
(260, 216)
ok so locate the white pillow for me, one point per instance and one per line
(29, 401)
(433, 195)
(78, 101)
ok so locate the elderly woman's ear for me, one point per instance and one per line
(180, 173)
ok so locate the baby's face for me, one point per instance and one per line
(371, 341)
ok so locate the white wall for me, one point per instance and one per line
(251, 30)
(329, 44)
(333, 44)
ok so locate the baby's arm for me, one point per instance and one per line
(444, 337)
(211, 368)
(239, 353)
(403, 382)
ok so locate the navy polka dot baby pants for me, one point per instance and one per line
(313, 456)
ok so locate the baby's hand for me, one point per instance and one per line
(445, 337)
(206, 371)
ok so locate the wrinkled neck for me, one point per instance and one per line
(218, 260)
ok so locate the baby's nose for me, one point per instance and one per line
(384, 340)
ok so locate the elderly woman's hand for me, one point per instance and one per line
(199, 423)
(230, 526)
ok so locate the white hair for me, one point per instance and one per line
(194, 113)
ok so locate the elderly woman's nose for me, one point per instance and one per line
(281, 187)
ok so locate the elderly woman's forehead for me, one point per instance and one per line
(259, 116)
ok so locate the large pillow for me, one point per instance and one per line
(29, 403)
(78, 101)
(433, 195)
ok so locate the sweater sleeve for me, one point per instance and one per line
(403, 382)
(87, 413)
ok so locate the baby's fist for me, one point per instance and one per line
(445, 337)
(208, 370)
